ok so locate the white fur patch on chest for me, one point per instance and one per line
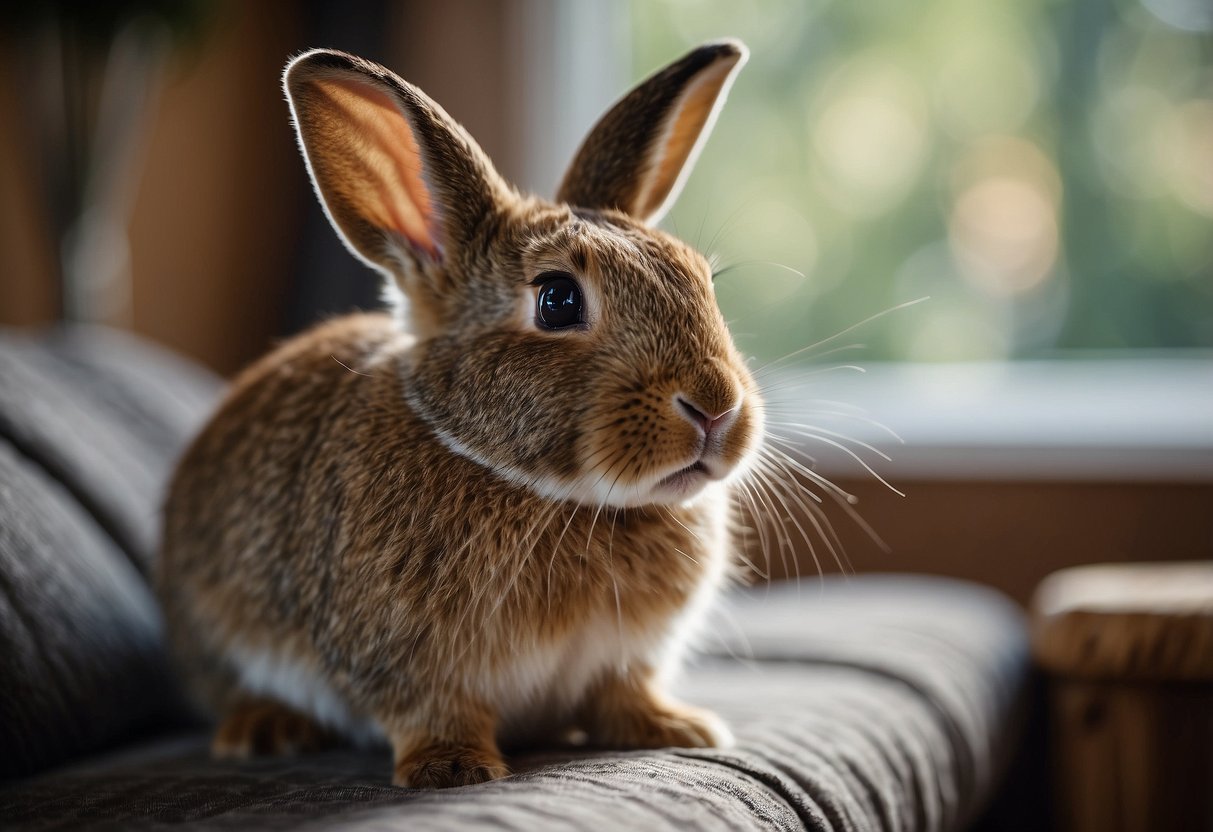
(541, 685)
(544, 683)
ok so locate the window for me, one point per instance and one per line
(1043, 171)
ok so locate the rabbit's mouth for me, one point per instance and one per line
(685, 482)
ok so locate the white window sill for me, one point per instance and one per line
(1138, 419)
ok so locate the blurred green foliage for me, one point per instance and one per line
(1043, 170)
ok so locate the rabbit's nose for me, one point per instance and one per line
(706, 420)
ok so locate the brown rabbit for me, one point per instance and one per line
(493, 516)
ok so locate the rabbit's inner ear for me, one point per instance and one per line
(682, 138)
(366, 165)
(638, 155)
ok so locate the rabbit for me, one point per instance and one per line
(496, 514)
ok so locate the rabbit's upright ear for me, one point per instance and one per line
(638, 155)
(401, 181)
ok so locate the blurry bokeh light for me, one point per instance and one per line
(1188, 142)
(871, 135)
(1003, 231)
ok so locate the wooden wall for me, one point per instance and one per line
(28, 276)
(1009, 534)
(221, 196)
(217, 202)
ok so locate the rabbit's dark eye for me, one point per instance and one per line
(560, 303)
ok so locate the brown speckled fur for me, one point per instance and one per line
(442, 520)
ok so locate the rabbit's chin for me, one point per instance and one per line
(688, 482)
(679, 486)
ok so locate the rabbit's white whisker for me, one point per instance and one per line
(817, 517)
(768, 453)
(845, 500)
(842, 332)
(685, 555)
(791, 516)
(757, 515)
(836, 368)
(736, 213)
(791, 377)
(348, 367)
(842, 415)
(817, 478)
(762, 485)
(669, 511)
(556, 548)
(745, 264)
(815, 432)
(800, 404)
(862, 462)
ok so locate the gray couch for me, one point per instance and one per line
(874, 703)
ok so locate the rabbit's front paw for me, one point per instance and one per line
(444, 765)
(654, 725)
(263, 727)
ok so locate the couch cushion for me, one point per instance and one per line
(90, 422)
(868, 704)
(105, 414)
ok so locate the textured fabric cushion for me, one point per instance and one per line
(869, 704)
(90, 421)
(105, 414)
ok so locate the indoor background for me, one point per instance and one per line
(1002, 212)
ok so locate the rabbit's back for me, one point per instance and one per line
(256, 499)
